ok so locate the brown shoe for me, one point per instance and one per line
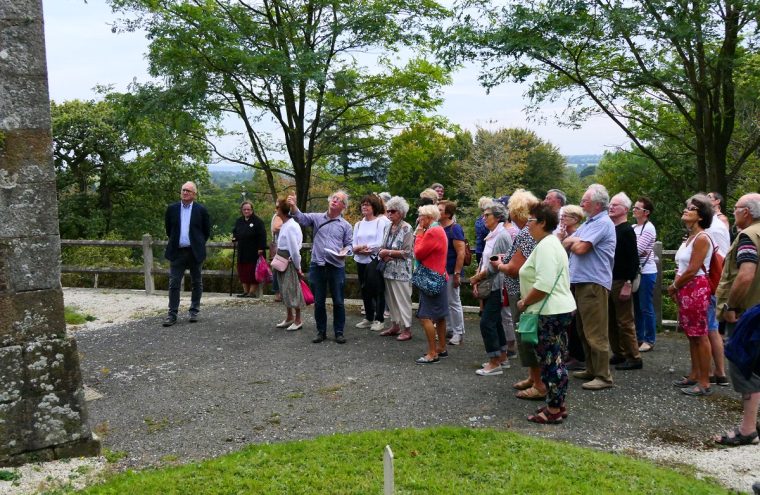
(405, 335)
(597, 384)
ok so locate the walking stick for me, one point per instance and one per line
(232, 268)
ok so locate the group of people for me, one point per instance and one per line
(584, 272)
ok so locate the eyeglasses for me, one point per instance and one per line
(737, 207)
(188, 191)
(636, 208)
(614, 205)
(531, 219)
(392, 211)
(487, 214)
(691, 208)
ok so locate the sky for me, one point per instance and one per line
(82, 53)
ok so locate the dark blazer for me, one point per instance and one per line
(200, 230)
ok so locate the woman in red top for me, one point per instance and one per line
(430, 248)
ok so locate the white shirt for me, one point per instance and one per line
(683, 256)
(719, 234)
(290, 239)
(369, 233)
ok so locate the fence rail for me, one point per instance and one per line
(148, 269)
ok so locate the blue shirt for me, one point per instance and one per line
(454, 232)
(334, 235)
(185, 211)
(596, 265)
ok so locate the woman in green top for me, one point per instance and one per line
(545, 289)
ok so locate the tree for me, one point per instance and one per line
(424, 154)
(629, 61)
(293, 66)
(503, 160)
(118, 163)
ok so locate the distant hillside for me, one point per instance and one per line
(224, 178)
(580, 162)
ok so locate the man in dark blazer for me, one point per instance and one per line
(188, 228)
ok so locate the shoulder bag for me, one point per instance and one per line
(429, 282)
(528, 324)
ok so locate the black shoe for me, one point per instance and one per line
(340, 339)
(632, 364)
(443, 354)
(617, 359)
(719, 380)
(244, 294)
(319, 338)
(193, 318)
(169, 321)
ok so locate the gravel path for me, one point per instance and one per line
(194, 391)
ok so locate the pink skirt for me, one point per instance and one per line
(693, 302)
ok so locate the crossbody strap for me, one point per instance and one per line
(550, 292)
(316, 229)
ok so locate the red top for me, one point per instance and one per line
(430, 249)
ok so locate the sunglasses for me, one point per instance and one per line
(392, 211)
(691, 208)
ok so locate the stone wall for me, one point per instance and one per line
(42, 408)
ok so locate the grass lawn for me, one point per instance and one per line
(436, 460)
(74, 317)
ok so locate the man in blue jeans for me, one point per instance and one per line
(332, 238)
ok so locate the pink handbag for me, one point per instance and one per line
(263, 272)
(308, 297)
(279, 263)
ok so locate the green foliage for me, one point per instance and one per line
(423, 154)
(8, 475)
(661, 71)
(504, 160)
(437, 460)
(292, 67)
(74, 317)
(113, 456)
(120, 161)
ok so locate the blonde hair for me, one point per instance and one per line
(520, 204)
(430, 194)
(574, 211)
(429, 211)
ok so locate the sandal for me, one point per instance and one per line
(562, 411)
(426, 360)
(685, 381)
(546, 418)
(737, 439)
(531, 393)
(523, 384)
(697, 391)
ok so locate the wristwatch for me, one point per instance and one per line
(726, 307)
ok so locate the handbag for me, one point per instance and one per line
(427, 281)
(263, 273)
(280, 263)
(483, 288)
(527, 327)
(308, 296)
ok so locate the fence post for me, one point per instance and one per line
(657, 295)
(147, 246)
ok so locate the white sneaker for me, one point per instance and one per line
(377, 326)
(387, 313)
(364, 324)
(456, 339)
(284, 323)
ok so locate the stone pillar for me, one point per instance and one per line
(42, 408)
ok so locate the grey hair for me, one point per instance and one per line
(752, 202)
(385, 196)
(397, 203)
(624, 199)
(599, 195)
(345, 197)
(560, 195)
(484, 202)
(499, 211)
(429, 211)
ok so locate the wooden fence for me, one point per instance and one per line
(148, 269)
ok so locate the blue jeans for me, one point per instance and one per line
(643, 309)
(494, 339)
(322, 278)
(185, 261)
(712, 319)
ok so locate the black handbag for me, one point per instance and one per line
(373, 277)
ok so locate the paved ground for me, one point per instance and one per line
(194, 391)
